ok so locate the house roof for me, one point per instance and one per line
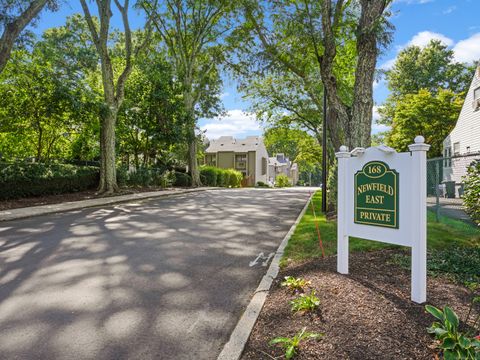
(228, 143)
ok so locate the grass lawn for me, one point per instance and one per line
(304, 243)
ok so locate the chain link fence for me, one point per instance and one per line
(445, 185)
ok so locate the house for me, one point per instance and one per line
(249, 156)
(279, 164)
(463, 141)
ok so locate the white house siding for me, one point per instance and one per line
(466, 133)
(261, 153)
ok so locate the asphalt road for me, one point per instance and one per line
(158, 279)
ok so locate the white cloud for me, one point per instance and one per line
(449, 10)
(236, 123)
(423, 38)
(224, 95)
(468, 50)
(387, 65)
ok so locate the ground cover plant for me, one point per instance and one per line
(305, 303)
(295, 284)
(291, 345)
(453, 343)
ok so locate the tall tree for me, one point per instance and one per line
(14, 17)
(151, 118)
(40, 106)
(431, 68)
(113, 89)
(192, 31)
(432, 115)
(326, 31)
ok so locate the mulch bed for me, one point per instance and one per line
(365, 315)
(61, 198)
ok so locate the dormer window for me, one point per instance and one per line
(476, 93)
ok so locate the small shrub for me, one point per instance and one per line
(295, 284)
(282, 181)
(209, 175)
(453, 343)
(305, 303)
(291, 345)
(471, 196)
(182, 179)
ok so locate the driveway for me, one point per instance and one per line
(158, 279)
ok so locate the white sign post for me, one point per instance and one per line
(382, 196)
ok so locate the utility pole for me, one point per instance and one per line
(324, 153)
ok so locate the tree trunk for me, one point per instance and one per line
(192, 159)
(108, 173)
(12, 30)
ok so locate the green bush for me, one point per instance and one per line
(213, 176)
(208, 175)
(182, 179)
(234, 178)
(24, 179)
(282, 181)
(221, 178)
(471, 197)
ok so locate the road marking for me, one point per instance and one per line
(261, 256)
(265, 263)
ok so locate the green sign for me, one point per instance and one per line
(376, 195)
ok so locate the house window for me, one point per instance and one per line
(241, 162)
(476, 93)
(264, 166)
(456, 148)
(447, 161)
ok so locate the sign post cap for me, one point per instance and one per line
(343, 153)
(419, 144)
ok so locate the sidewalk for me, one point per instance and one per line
(21, 213)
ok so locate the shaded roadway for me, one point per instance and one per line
(155, 279)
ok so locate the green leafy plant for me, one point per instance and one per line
(291, 345)
(282, 180)
(305, 303)
(295, 284)
(471, 197)
(453, 343)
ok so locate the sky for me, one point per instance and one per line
(454, 22)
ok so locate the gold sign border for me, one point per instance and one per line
(387, 170)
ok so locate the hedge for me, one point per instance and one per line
(213, 176)
(32, 179)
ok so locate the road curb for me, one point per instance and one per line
(233, 349)
(28, 212)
